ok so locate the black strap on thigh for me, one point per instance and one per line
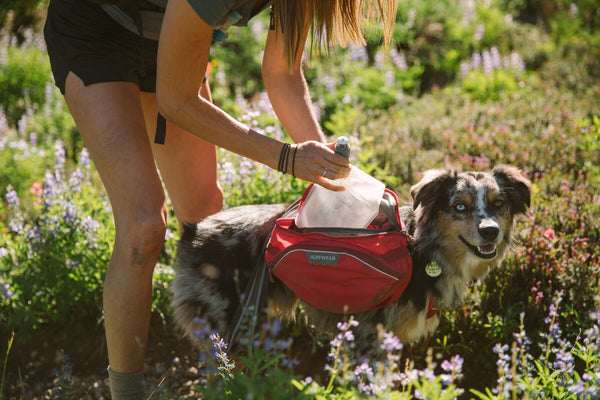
(161, 126)
(161, 129)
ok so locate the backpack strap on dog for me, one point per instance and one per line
(253, 299)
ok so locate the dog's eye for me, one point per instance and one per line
(499, 203)
(460, 207)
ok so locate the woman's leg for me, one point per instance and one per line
(110, 119)
(188, 166)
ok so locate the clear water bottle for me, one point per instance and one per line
(355, 207)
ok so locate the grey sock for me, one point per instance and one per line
(126, 386)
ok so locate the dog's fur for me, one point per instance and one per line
(462, 221)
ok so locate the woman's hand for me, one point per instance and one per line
(319, 163)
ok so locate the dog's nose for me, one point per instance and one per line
(488, 232)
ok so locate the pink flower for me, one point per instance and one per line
(37, 189)
(549, 234)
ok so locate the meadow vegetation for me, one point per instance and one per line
(467, 84)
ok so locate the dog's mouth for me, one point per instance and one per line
(486, 251)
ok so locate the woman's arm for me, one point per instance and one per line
(183, 52)
(288, 90)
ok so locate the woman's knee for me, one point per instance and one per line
(141, 239)
(213, 201)
(202, 204)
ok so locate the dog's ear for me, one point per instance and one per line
(515, 186)
(434, 182)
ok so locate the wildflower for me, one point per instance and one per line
(487, 62)
(5, 291)
(37, 189)
(454, 365)
(495, 58)
(390, 342)
(84, 159)
(12, 197)
(479, 32)
(476, 60)
(76, 180)
(357, 53)
(59, 155)
(220, 354)
(390, 78)
(549, 234)
(289, 362)
(399, 60)
(22, 125)
(15, 224)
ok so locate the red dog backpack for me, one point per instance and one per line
(343, 271)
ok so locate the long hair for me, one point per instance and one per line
(330, 22)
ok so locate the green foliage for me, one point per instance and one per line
(484, 87)
(22, 164)
(237, 62)
(23, 79)
(17, 16)
(52, 263)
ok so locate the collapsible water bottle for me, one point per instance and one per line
(355, 207)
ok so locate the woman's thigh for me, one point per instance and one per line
(110, 119)
(188, 166)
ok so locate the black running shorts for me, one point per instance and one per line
(82, 38)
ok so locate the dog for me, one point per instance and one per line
(461, 226)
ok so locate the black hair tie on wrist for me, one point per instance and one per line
(283, 158)
(294, 161)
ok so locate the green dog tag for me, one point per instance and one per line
(433, 269)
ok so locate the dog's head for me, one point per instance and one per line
(468, 217)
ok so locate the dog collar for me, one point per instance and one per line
(432, 310)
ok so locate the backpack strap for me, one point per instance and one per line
(254, 297)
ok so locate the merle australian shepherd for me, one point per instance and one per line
(463, 222)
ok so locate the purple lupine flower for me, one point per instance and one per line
(476, 60)
(7, 293)
(90, 226)
(317, 110)
(516, 62)
(329, 82)
(22, 125)
(487, 62)
(289, 362)
(573, 10)
(479, 31)
(59, 155)
(357, 53)
(12, 198)
(69, 213)
(390, 343)
(367, 388)
(496, 60)
(76, 180)
(390, 78)
(399, 60)
(16, 222)
(33, 139)
(464, 69)
(84, 158)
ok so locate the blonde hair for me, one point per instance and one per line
(331, 22)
